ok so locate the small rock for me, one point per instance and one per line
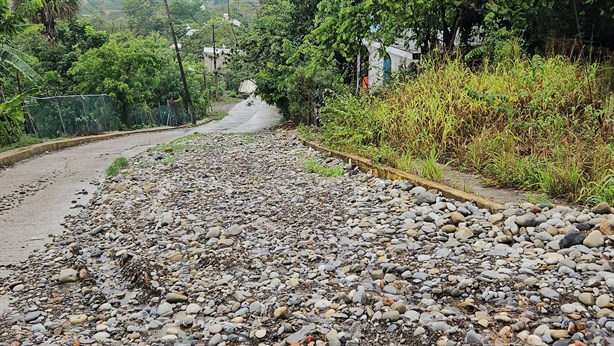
(473, 338)
(426, 198)
(526, 220)
(77, 319)
(594, 239)
(260, 333)
(391, 315)
(176, 298)
(31, 316)
(549, 293)
(192, 309)
(587, 299)
(68, 275)
(216, 340)
(602, 301)
(602, 208)
(281, 312)
(570, 239)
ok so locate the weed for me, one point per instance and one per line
(314, 166)
(467, 186)
(179, 145)
(407, 163)
(170, 159)
(538, 198)
(24, 141)
(535, 123)
(115, 167)
(219, 115)
(430, 168)
(248, 138)
(385, 154)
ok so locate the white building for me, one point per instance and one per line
(222, 54)
(396, 56)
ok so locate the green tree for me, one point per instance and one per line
(188, 12)
(50, 12)
(54, 60)
(137, 73)
(146, 17)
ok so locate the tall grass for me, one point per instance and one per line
(543, 124)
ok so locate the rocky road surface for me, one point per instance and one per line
(227, 240)
(36, 194)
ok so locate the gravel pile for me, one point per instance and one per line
(226, 240)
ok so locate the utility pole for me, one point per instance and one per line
(217, 87)
(228, 9)
(188, 99)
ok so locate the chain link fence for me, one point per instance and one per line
(76, 115)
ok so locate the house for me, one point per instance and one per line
(402, 53)
(222, 54)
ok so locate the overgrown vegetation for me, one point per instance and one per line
(115, 167)
(23, 141)
(124, 52)
(179, 145)
(314, 166)
(541, 124)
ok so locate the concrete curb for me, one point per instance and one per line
(387, 172)
(19, 154)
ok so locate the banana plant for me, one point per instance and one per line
(11, 119)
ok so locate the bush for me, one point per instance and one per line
(536, 123)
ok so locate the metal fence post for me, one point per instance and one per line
(57, 104)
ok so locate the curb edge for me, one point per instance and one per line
(13, 156)
(391, 173)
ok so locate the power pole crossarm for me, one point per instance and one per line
(188, 99)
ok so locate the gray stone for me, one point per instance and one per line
(594, 239)
(391, 315)
(572, 238)
(426, 197)
(165, 309)
(31, 316)
(176, 298)
(548, 292)
(68, 275)
(300, 336)
(192, 309)
(215, 340)
(526, 220)
(602, 208)
(473, 338)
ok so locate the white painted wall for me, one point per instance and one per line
(399, 56)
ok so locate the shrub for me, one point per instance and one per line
(536, 123)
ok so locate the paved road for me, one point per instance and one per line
(36, 194)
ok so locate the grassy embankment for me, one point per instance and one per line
(539, 124)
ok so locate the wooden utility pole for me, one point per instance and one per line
(217, 82)
(188, 99)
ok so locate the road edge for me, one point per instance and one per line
(387, 172)
(13, 156)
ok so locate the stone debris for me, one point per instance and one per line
(232, 243)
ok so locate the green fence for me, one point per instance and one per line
(75, 115)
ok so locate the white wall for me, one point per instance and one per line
(399, 56)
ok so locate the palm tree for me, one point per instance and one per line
(50, 12)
